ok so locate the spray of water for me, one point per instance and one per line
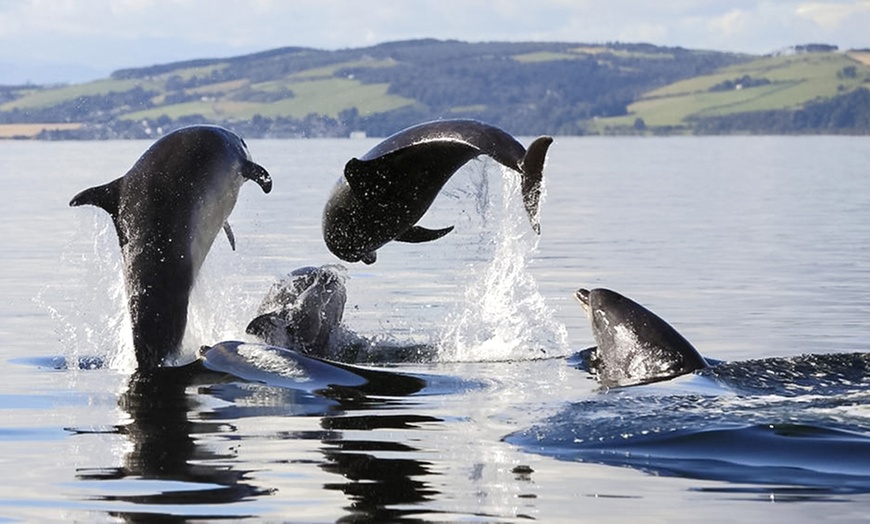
(219, 308)
(503, 315)
(500, 315)
(92, 321)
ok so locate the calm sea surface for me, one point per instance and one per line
(752, 247)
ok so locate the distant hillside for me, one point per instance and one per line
(526, 88)
(805, 92)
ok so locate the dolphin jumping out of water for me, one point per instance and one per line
(635, 346)
(167, 211)
(303, 310)
(385, 192)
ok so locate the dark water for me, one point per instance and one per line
(755, 249)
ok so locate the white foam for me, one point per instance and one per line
(503, 315)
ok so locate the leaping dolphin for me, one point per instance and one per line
(167, 211)
(385, 192)
(635, 346)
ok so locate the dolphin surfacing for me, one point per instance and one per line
(635, 346)
(167, 210)
(385, 192)
(303, 310)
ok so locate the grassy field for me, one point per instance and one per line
(794, 81)
(323, 96)
(31, 130)
(49, 97)
(317, 90)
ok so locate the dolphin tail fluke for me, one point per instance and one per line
(417, 234)
(532, 166)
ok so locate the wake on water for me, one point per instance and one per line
(794, 426)
(499, 315)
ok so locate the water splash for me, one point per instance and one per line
(91, 314)
(219, 308)
(503, 315)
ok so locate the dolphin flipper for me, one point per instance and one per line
(230, 236)
(266, 326)
(418, 234)
(532, 166)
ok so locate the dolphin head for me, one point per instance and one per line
(582, 295)
(302, 310)
(351, 230)
(635, 346)
(253, 171)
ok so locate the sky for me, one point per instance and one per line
(71, 41)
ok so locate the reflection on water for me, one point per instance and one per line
(167, 422)
(376, 483)
(162, 447)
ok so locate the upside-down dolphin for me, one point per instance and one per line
(167, 210)
(385, 192)
(302, 310)
(635, 346)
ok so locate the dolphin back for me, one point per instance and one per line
(485, 138)
(635, 346)
(479, 138)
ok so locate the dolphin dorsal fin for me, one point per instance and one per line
(418, 234)
(106, 196)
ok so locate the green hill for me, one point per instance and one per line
(527, 88)
(780, 83)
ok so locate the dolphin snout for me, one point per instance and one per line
(582, 295)
(258, 174)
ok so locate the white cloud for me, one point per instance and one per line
(110, 34)
(832, 15)
(730, 23)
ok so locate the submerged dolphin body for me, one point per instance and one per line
(384, 193)
(291, 369)
(303, 310)
(167, 211)
(635, 346)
